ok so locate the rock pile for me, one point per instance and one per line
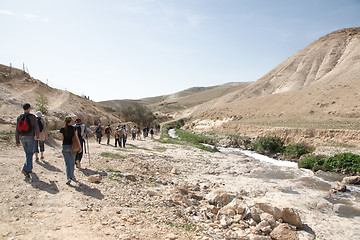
(227, 216)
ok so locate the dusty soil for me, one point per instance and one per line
(136, 197)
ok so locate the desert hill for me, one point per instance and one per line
(18, 87)
(317, 87)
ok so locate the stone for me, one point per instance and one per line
(338, 187)
(227, 210)
(255, 215)
(174, 171)
(130, 177)
(262, 227)
(289, 215)
(219, 197)
(94, 178)
(284, 231)
(238, 205)
(257, 237)
(351, 180)
(213, 209)
(268, 208)
(269, 218)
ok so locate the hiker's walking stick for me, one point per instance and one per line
(88, 149)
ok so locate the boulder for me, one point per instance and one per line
(255, 215)
(227, 210)
(262, 227)
(219, 197)
(284, 232)
(268, 208)
(351, 180)
(269, 218)
(94, 178)
(238, 205)
(289, 215)
(338, 187)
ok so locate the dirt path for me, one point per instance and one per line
(135, 199)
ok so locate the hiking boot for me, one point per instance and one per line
(68, 182)
(37, 159)
(26, 174)
(77, 163)
(42, 158)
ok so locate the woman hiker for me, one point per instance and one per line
(67, 133)
(40, 141)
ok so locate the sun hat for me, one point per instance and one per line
(39, 114)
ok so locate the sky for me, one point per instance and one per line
(132, 49)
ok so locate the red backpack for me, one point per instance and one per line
(24, 125)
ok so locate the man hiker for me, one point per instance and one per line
(27, 129)
(123, 134)
(108, 131)
(133, 132)
(82, 131)
(98, 132)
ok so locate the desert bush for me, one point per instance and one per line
(292, 151)
(42, 104)
(266, 145)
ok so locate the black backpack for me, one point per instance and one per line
(41, 126)
(24, 125)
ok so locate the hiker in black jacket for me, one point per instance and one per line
(27, 129)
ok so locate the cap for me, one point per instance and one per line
(78, 120)
(68, 118)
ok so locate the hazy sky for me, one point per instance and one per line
(130, 49)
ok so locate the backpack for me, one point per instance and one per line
(24, 125)
(98, 129)
(41, 126)
(107, 130)
(80, 131)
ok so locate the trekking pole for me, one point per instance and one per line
(87, 143)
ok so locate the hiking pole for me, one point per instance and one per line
(87, 143)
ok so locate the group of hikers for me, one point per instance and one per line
(121, 133)
(31, 133)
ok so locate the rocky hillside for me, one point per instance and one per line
(17, 87)
(318, 87)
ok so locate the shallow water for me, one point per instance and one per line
(269, 168)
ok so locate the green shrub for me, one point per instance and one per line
(292, 151)
(348, 162)
(269, 145)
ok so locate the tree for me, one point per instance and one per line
(139, 114)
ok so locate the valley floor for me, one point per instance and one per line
(138, 195)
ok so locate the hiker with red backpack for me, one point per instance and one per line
(27, 129)
(40, 141)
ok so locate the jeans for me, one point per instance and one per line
(39, 144)
(123, 140)
(69, 157)
(28, 143)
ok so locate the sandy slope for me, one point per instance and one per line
(142, 207)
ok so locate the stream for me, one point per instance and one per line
(321, 181)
